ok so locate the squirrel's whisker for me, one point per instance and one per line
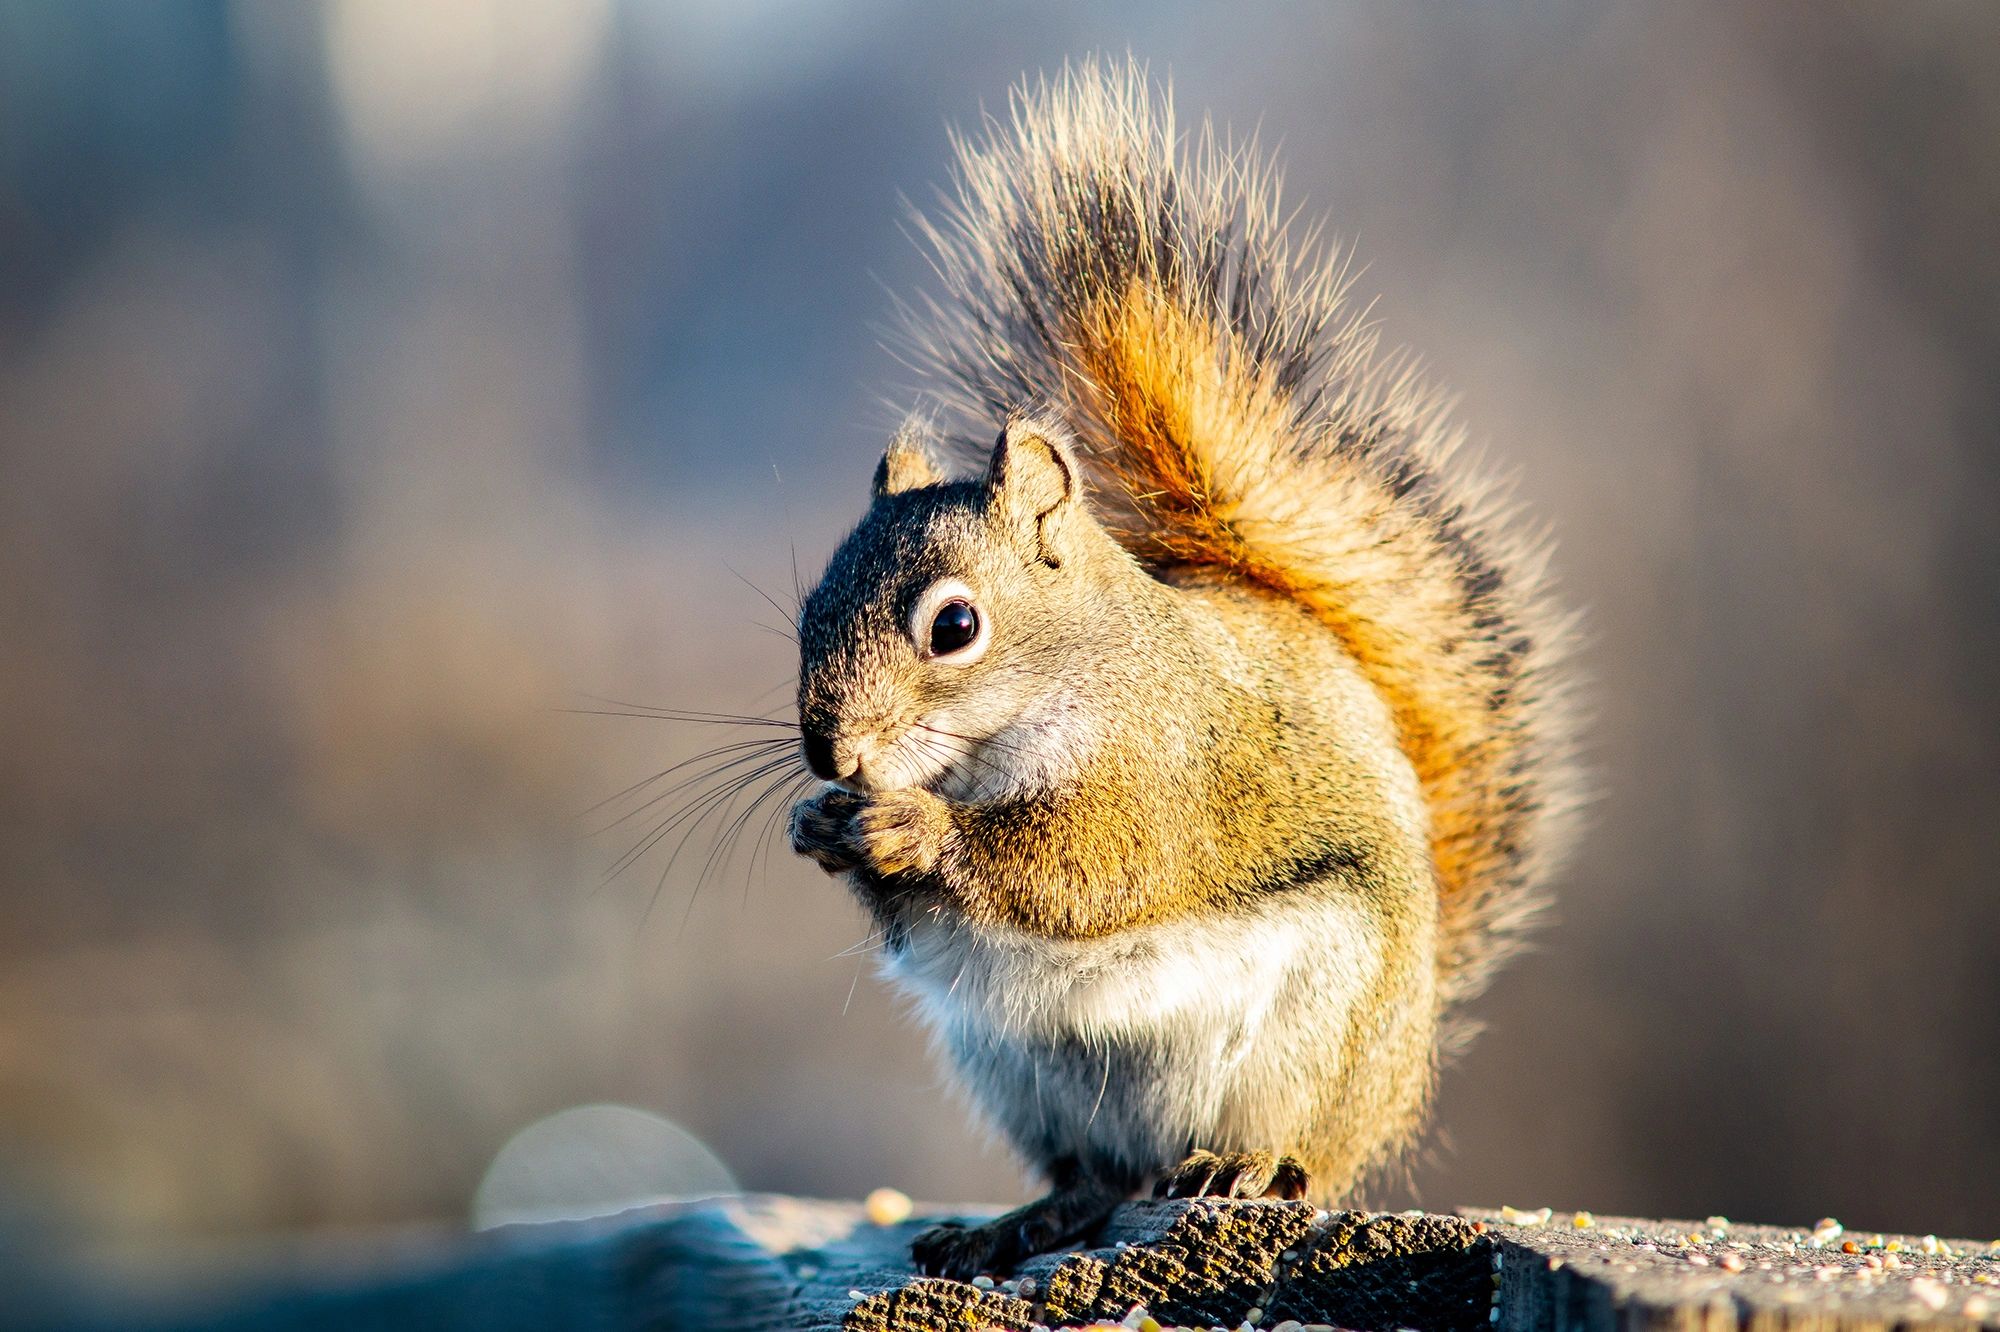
(950, 755)
(754, 746)
(746, 753)
(689, 820)
(647, 710)
(973, 746)
(726, 842)
(974, 742)
(699, 805)
(770, 600)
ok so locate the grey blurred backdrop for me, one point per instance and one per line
(379, 379)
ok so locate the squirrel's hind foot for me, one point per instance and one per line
(961, 1252)
(1234, 1175)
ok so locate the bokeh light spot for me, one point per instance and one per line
(593, 1160)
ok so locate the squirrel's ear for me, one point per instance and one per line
(906, 464)
(1032, 482)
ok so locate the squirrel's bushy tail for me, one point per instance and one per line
(1234, 413)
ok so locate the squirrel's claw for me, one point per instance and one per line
(1234, 1175)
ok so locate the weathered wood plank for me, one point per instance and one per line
(762, 1264)
(1622, 1273)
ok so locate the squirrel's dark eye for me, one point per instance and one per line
(946, 625)
(954, 628)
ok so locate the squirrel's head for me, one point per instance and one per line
(937, 648)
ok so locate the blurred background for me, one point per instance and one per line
(379, 380)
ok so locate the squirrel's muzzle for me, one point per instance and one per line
(854, 761)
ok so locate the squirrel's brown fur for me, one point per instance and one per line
(1199, 754)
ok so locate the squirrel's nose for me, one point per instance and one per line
(820, 756)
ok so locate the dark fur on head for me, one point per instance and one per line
(1051, 588)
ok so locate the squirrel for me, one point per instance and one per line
(1202, 750)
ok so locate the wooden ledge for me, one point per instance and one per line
(773, 1264)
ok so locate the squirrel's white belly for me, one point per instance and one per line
(1129, 1049)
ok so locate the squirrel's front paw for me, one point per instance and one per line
(892, 832)
(902, 831)
(823, 829)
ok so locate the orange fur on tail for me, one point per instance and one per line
(1234, 414)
